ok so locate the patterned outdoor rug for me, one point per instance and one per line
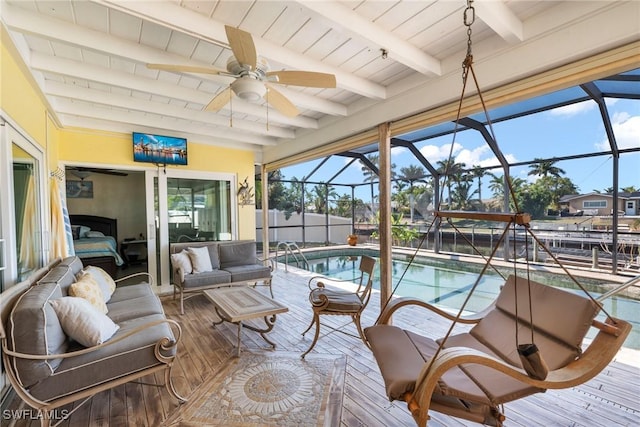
(268, 389)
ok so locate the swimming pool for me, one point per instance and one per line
(446, 282)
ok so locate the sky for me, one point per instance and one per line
(565, 131)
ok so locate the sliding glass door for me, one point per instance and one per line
(187, 207)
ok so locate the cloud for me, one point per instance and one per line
(433, 153)
(573, 109)
(626, 129)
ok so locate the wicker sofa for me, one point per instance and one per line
(231, 263)
(48, 369)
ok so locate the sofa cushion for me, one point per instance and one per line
(102, 278)
(34, 328)
(214, 277)
(82, 322)
(88, 289)
(115, 360)
(73, 262)
(129, 292)
(200, 259)
(61, 275)
(237, 253)
(128, 309)
(247, 273)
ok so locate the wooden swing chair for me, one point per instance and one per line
(527, 341)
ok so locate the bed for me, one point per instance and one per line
(97, 242)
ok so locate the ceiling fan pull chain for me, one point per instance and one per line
(230, 108)
(267, 98)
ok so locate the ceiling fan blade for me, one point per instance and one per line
(219, 101)
(304, 78)
(186, 68)
(280, 102)
(242, 46)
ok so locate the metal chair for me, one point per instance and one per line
(341, 303)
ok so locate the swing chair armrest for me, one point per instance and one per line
(398, 303)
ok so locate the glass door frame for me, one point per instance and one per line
(162, 239)
(11, 134)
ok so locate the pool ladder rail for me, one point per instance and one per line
(292, 248)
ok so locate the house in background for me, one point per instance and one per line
(601, 204)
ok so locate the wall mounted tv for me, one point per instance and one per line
(159, 149)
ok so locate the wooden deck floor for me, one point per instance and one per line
(610, 399)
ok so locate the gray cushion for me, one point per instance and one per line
(249, 272)
(237, 253)
(120, 311)
(63, 275)
(113, 361)
(214, 277)
(74, 262)
(338, 301)
(34, 329)
(129, 292)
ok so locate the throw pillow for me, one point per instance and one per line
(82, 322)
(92, 233)
(83, 231)
(102, 278)
(75, 231)
(200, 260)
(182, 261)
(87, 288)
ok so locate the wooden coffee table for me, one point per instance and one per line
(239, 303)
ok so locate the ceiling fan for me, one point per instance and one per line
(253, 80)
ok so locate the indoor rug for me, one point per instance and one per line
(268, 389)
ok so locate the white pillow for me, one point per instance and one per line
(105, 282)
(94, 234)
(182, 261)
(200, 260)
(83, 231)
(82, 322)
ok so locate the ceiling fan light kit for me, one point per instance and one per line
(248, 88)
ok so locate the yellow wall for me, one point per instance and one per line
(22, 101)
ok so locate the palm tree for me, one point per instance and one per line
(629, 189)
(369, 175)
(449, 168)
(545, 168)
(320, 194)
(411, 174)
(462, 195)
(478, 172)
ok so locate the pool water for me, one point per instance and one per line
(448, 283)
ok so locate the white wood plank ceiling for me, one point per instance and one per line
(89, 58)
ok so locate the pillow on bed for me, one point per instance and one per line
(94, 234)
(75, 231)
(83, 231)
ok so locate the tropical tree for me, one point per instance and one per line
(545, 168)
(369, 174)
(462, 195)
(450, 170)
(319, 195)
(478, 172)
(411, 174)
(629, 189)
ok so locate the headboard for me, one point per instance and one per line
(108, 226)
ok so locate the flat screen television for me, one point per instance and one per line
(159, 149)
